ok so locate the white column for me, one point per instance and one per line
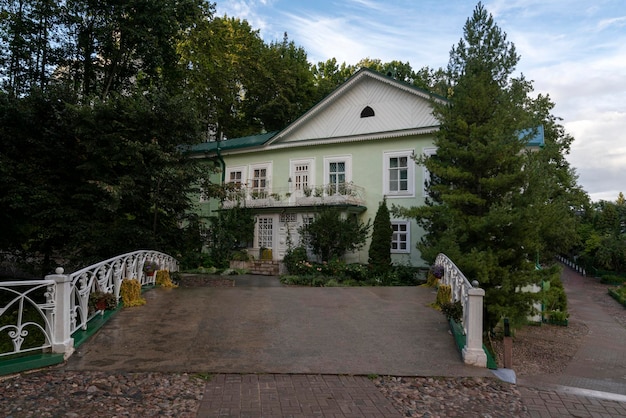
(62, 341)
(473, 352)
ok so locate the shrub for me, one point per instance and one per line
(330, 236)
(619, 294)
(163, 279)
(294, 258)
(130, 291)
(612, 279)
(444, 295)
(557, 317)
(555, 298)
(356, 272)
(452, 310)
(241, 255)
(406, 275)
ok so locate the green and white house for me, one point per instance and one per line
(350, 151)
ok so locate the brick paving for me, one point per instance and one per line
(543, 403)
(594, 383)
(242, 388)
(294, 396)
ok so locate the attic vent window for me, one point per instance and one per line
(367, 112)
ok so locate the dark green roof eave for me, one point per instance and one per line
(230, 144)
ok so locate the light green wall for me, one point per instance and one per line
(367, 172)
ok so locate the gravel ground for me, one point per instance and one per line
(56, 393)
(548, 349)
(452, 397)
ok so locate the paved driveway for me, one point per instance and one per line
(276, 329)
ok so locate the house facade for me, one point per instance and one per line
(350, 151)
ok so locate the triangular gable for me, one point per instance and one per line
(399, 109)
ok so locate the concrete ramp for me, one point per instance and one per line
(276, 329)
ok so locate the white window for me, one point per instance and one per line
(398, 174)
(401, 238)
(265, 231)
(301, 176)
(235, 177)
(428, 152)
(338, 172)
(288, 217)
(260, 180)
(301, 173)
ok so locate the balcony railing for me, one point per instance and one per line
(328, 194)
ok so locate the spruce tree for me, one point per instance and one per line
(380, 247)
(487, 207)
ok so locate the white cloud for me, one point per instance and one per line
(616, 21)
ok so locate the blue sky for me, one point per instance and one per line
(573, 50)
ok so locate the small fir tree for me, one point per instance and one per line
(380, 247)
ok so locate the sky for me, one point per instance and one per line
(572, 50)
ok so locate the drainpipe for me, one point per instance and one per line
(222, 162)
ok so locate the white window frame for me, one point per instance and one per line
(406, 232)
(267, 189)
(426, 174)
(264, 224)
(292, 174)
(346, 159)
(238, 169)
(410, 191)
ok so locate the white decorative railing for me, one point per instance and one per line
(471, 298)
(106, 276)
(32, 304)
(51, 310)
(328, 194)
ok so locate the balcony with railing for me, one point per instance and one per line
(337, 194)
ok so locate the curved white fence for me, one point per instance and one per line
(31, 306)
(471, 298)
(106, 276)
(56, 307)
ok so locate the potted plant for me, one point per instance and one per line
(150, 267)
(102, 301)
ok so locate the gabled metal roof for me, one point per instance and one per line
(231, 144)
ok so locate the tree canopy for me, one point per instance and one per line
(494, 206)
(96, 98)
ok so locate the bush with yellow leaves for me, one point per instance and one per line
(130, 291)
(163, 279)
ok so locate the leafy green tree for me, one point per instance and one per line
(380, 247)
(329, 75)
(116, 46)
(29, 31)
(331, 236)
(287, 89)
(229, 231)
(603, 236)
(488, 204)
(223, 57)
